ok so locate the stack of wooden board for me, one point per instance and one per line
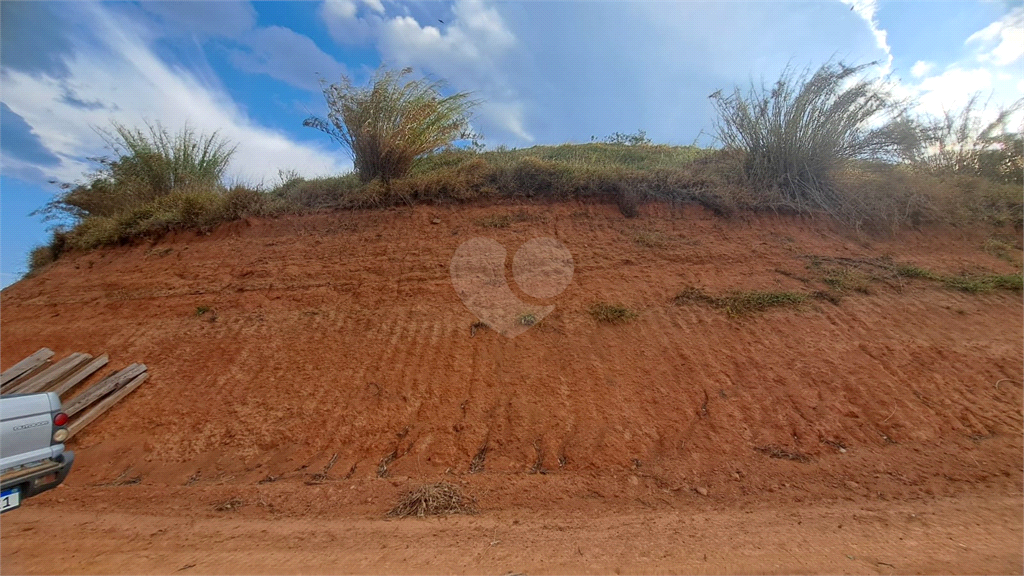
(37, 374)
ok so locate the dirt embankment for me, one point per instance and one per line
(339, 338)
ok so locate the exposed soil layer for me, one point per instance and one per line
(305, 371)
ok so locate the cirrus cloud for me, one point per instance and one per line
(123, 79)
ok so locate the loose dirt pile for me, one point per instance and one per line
(324, 365)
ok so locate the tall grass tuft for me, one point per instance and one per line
(960, 142)
(799, 132)
(156, 182)
(147, 165)
(389, 124)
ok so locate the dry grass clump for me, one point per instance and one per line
(193, 209)
(912, 271)
(1000, 249)
(773, 451)
(973, 283)
(844, 274)
(985, 282)
(228, 505)
(612, 313)
(844, 279)
(829, 142)
(437, 499)
(741, 302)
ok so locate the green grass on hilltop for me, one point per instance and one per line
(812, 142)
(577, 156)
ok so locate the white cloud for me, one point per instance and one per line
(984, 71)
(343, 23)
(952, 89)
(867, 10)
(276, 51)
(921, 68)
(121, 71)
(286, 55)
(1002, 42)
(343, 9)
(375, 5)
(469, 51)
(225, 18)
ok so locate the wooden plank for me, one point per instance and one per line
(21, 379)
(51, 374)
(37, 359)
(101, 389)
(62, 386)
(82, 421)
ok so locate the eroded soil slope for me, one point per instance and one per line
(339, 338)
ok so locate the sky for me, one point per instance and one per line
(546, 72)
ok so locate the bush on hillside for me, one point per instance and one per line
(799, 133)
(638, 138)
(156, 182)
(393, 121)
(147, 165)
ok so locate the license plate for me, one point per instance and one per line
(10, 499)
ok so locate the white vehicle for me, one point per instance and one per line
(32, 456)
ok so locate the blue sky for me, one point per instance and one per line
(548, 72)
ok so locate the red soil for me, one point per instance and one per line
(341, 335)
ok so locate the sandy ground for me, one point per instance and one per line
(638, 447)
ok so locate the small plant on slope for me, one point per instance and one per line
(611, 313)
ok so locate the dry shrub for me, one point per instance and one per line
(798, 132)
(886, 198)
(243, 202)
(961, 142)
(437, 499)
(188, 209)
(42, 256)
(773, 451)
(461, 183)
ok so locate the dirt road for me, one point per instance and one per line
(100, 531)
